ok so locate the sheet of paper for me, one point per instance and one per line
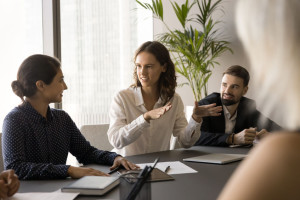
(176, 167)
(44, 196)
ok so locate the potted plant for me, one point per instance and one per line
(196, 47)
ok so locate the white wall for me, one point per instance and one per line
(227, 59)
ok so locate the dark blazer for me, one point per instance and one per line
(213, 128)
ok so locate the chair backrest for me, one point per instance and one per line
(97, 136)
(174, 144)
(1, 157)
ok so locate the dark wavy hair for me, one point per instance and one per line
(167, 80)
(34, 68)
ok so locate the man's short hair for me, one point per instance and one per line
(240, 72)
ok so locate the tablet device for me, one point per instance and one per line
(216, 158)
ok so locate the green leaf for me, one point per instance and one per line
(156, 8)
(194, 48)
(182, 84)
(182, 12)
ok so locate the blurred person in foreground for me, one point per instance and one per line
(269, 31)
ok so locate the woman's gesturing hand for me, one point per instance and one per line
(157, 113)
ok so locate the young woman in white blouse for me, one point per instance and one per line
(144, 116)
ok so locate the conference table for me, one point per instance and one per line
(206, 184)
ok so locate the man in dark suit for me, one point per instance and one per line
(240, 122)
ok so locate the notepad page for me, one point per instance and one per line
(176, 167)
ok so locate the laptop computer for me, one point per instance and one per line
(216, 158)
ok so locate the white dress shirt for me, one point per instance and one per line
(229, 121)
(131, 134)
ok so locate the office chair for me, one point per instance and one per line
(1, 157)
(174, 144)
(97, 136)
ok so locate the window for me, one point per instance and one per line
(20, 36)
(98, 41)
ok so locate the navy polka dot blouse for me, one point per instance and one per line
(37, 148)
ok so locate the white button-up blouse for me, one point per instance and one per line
(131, 134)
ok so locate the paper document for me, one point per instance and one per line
(176, 167)
(44, 196)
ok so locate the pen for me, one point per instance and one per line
(115, 169)
(167, 169)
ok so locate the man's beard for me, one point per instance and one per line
(227, 102)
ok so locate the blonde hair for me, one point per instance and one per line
(270, 33)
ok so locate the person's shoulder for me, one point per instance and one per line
(176, 96)
(15, 113)
(176, 99)
(276, 161)
(283, 140)
(127, 92)
(247, 103)
(248, 100)
(279, 149)
(59, 113)
(212, 98)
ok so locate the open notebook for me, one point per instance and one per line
(216, 158)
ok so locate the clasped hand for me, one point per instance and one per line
(9, 183)
(247, 136)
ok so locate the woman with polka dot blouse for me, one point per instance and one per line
(36, 138)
